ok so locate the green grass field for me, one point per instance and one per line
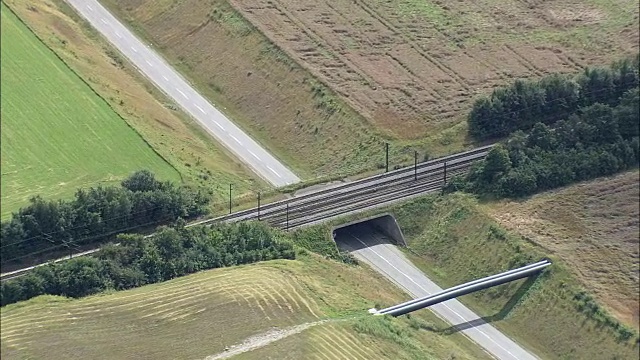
(199, 315)
(57, 134)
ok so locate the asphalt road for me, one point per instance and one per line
(374, 249)
(171, 83)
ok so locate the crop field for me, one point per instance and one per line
(594, 228)
(409, 66)
(279, 309)
(333, 80)
(171, 133)
(258, 85)
(57, 134)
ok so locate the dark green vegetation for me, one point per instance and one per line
(600, 141)
(57, 134)
(453, 241)
(583, 129)
(550, 99)
(170, 253)
(96, 214)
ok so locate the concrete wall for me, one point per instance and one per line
(385, 223)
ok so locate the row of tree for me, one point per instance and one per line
(600, 140)
(550, 99)
(96, 214)
(137, 261)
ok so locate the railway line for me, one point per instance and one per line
(361, 194)
(351, 197)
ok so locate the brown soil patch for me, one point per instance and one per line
(408, 65)
(593, 227)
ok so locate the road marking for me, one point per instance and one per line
(183, 94)
(103, 20)
(89, 7)
(134, 49)
(218, 125)
(118, 35)
(236, 139)
(418, 285)
(165, 78)
(201, 109)
(149, 62)
(254, 155)
(273, 171)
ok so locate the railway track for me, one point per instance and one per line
(353, 191)
(347, 198)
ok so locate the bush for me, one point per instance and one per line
(96, 214)
(172, 252)
(555, 97)
(583, 147)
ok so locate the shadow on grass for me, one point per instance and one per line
(500, 315)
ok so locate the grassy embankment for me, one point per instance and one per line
(199, 315)
(57, 135)
(171, 133)
(561, 315)
(593, 227)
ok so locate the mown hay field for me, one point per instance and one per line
(57, 134)
(593, 227)
(333, 80)
(201, 315)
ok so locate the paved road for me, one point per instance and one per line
(374, 249)
(170, 82)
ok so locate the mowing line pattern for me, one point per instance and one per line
(259, 296)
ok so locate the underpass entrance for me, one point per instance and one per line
(376, 230)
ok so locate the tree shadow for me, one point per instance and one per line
(500, 315)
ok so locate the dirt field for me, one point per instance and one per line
(594, 228)
(408, 66)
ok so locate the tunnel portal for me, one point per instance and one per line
(379, 229)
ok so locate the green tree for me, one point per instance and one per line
(142, 180)
(628, 114)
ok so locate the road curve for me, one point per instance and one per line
(171, 83)
(372, 248)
